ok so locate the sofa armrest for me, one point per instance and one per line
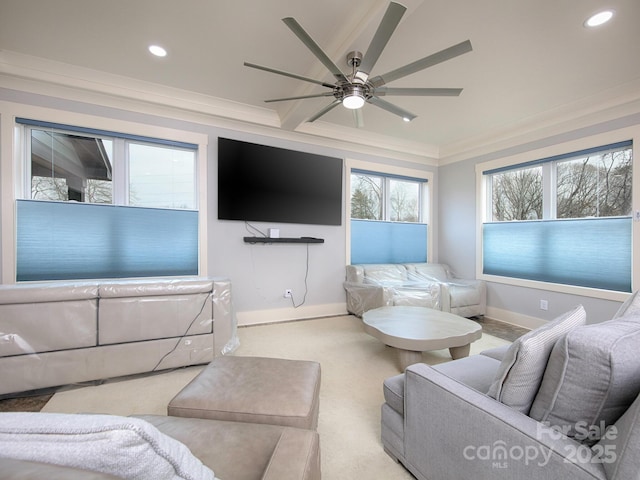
(453, 431)
(296, 457)
(362, 297)
(624, 444)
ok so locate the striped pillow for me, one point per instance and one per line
(520, 373)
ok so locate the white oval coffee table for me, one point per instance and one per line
(413, 330)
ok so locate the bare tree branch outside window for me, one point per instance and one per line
(517, 195)
(366, 197)
(404, 201)
(595, 186)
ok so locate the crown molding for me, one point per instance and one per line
(45, 77)
(73, 79)
(617, 103)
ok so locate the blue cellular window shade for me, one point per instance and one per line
(592, 252)
(62, 241)
(388, 242)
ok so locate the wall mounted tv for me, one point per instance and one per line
(269, 184)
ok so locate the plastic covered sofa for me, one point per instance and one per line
(59, 333)
(563, 401)
(431, 285)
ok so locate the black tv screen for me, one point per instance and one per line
(270, 184)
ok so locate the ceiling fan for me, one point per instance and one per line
(358, 88)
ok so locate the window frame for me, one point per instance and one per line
(13, 172)
(389, 171)
(484, 213)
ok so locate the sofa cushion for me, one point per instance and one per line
(385, 274)
(427, 272)
(591, 378)
(129, 448)
(476, 371)
(630, 307)
(393, 390)
(496, 352)
(520, 373)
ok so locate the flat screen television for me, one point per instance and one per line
(269, 184)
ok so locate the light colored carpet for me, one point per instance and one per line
(353, 364)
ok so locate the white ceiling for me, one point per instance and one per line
(531, 59)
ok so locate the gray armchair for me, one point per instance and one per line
(441, 422)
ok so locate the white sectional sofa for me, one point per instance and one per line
(430, 285)
(59, 333)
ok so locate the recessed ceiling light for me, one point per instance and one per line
(157, 50)
(599, 18)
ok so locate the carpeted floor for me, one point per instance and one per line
(354, 366)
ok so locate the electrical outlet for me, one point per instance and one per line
(288, 293)
(544, 305)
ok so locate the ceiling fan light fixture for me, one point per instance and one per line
(353, 96)
(353, 102)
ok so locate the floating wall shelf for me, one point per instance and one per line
(283, 240)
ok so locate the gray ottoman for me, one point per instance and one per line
(255, 390)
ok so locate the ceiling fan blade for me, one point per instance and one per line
(358, 117)
(429, 61)
(326, 109)
(389, 107)
(325, 94)
(387, 26)
(315, 49)
(287, 74)
(419, 92)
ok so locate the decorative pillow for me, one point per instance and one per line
(630, 307)
(591, 378)
(129, 448)
(520, 373)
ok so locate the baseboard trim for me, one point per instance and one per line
(514, 318)
(277, 315)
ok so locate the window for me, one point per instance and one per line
(517, 195)
(595, 185)
(102, 204)
(379, 197)
(161, 177)
(564, 219)
(66, 166)
(387, 218)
